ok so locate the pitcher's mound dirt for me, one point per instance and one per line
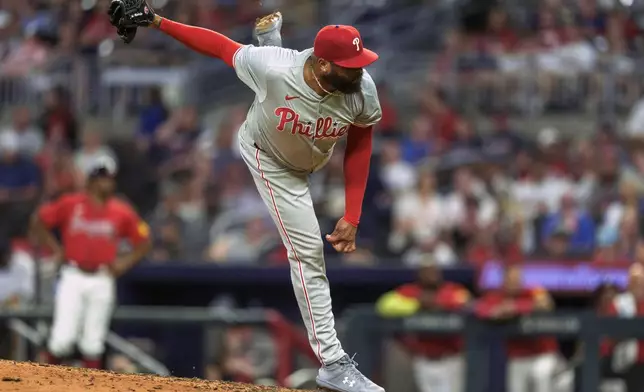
(32, 377)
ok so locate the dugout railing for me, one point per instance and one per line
(365, 332)
(287, 337)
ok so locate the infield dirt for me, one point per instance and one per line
(33, 377)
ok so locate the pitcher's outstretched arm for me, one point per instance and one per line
(204, 41)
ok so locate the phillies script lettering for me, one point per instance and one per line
(93, 228)
(325, 127)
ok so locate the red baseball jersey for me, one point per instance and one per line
(524, 304)
(91, 232)
(450, 297)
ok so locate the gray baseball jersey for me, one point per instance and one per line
(290, 120)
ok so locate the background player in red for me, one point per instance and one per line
(438, 361)
(628, 355)
(92, 225)
(531, 360)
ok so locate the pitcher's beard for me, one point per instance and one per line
(343, 85)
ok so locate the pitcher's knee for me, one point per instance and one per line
(312, 254)
(91, 348)
(61, 346)
(305, 249)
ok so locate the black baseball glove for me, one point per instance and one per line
(127, 15)
(116, 13)
(133, 13)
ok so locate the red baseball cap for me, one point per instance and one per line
(342, 45)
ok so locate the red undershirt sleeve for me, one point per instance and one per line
(356, 171)
(204, 41)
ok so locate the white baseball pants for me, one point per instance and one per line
(532, 374)
(82, 312)
(288, 198)
(439, 375)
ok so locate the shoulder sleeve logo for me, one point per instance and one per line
(143, 229)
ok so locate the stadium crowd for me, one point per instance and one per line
(438, 185)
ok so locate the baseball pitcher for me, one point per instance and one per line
(304, 103)
(92, 224)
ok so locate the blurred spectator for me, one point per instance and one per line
(30, 140)
(437, 361)
(503, 143)
(388, 125)
(607, 171)
(481, 249)
(468, 208)
(91, 149)
(532, 361)
(58, 122)
(536, 194)
(32, 54)
(451, 48)
(633, 173)
(557, 244)
(417, 144)
(243, 246)
(236, 194)
(419, 219)
(219, 146)
(581, 173)
(19, 177)
(552, 150)
(635, 123)
(173, 147)
(191, 208)
(59, 172)
(166, 226)
(398, 175)
(466, 140)
(444, 120)
(152, 115)
(573, 221)
(96, 28)
(137, 177)
(603, 297)
(181, 224)
(628, 203)
(609, 249)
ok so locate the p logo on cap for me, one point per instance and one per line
(342, 45)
